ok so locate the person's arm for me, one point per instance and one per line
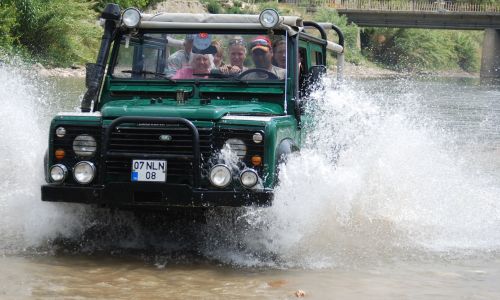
(184, 73)
(230, 70)
(173, 65)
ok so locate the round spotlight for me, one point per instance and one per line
(131, 17)
(249, 178)
(220, 176)
(58, 173)
(269, 18)
(60, 132)
(237, 146)
(84, 172)
(84, 145)
(257, 138)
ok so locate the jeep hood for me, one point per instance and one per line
(191, 110)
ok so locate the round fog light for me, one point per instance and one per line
(220, 176)
(58, 173)
(84, 172)
(249, 178)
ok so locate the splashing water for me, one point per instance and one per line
(24, 220)
(376, 179)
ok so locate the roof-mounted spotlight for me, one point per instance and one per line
(269, 18)
(131, 17)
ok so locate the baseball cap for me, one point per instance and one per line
(261, 42)
(202, 44)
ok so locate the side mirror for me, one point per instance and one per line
(312, 80)
(91, 71)
(315, 74)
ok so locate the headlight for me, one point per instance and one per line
(269, 18)
(58, 173)
(237, 146)
(131, 17)
(249, 178)
(84, 145)
(84, 172)
(220, 176)
(60, 132)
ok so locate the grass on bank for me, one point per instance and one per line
(56, 33)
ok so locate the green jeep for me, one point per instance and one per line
(164, 123)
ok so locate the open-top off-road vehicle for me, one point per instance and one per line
(164, 124)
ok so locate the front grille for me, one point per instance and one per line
(128, 142)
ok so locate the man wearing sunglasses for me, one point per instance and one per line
(262, 56)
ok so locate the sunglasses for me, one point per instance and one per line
(260, 43)
(237, 42)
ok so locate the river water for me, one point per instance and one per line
(395, 195)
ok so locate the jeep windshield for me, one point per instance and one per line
(201, 56)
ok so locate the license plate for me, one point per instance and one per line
(149, 170)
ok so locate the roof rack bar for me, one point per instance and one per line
(320, 28)
(328, 26)
(339, 33)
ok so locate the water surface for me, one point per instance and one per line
(394, 195)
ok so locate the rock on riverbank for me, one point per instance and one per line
(74, 71)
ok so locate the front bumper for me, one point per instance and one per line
(147, 195)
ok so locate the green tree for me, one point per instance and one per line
(57, 32)
(140, 4)
(8, 17)
(353, 54)
(423, 49)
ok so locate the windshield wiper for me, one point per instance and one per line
(161, 75)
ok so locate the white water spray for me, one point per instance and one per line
(24, 220)
(376, 179)
(373, 181)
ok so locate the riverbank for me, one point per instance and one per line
(75, 71)
(363, 71)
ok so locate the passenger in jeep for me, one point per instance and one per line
(181, 57)
(199, 65)
(279, 53)
(262, 56)
(237, 54)
(219, 55)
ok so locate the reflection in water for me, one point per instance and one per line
(397, 179)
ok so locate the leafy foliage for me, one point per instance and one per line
(213, 7)
(8, 17)
(423, 49)
(352, 52)
(56, 32)
(140, 4)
